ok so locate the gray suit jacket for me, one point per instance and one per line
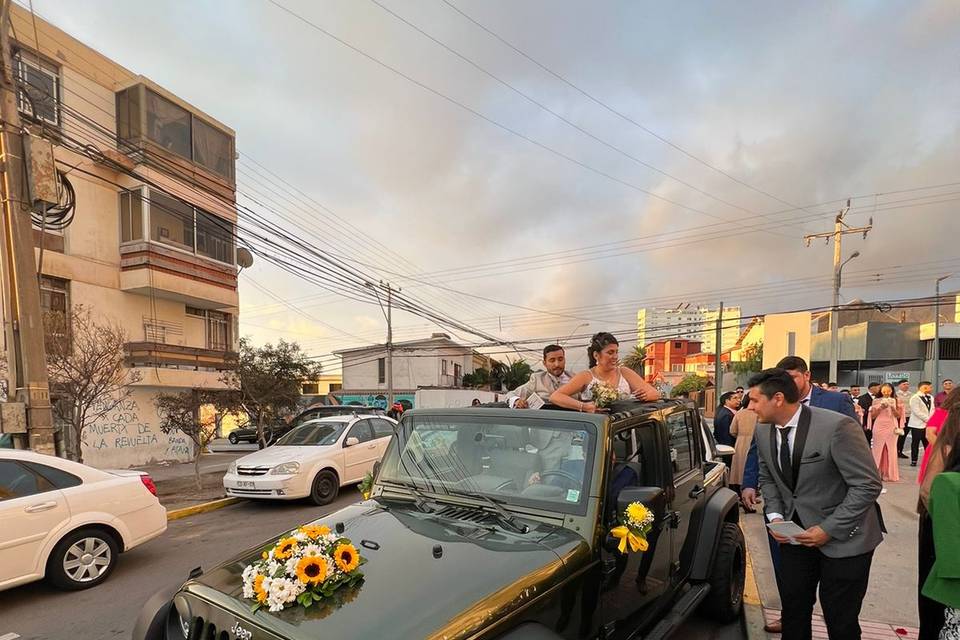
(835, 481)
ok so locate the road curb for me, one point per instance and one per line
(213, 505)
(752, 605)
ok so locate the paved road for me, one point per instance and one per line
(39, 612)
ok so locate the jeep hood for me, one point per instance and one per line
(482, 574)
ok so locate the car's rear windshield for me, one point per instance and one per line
(522, 461)
(317, 433)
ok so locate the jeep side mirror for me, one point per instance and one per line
(653, 498)
(351, 442)
(376, 468)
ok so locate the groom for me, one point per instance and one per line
(543, 383)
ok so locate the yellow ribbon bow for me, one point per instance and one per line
(626, 537)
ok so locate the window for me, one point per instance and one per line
(53, 295)
(214, 237)
(38, 97)
(677, 345)
(58, 478)
(681, 444)
(171, 221)
(456, 372)
(382, 428)
(197, 313)
(676, 368)
(131, 215)
(443, 367)
(17, 481)
(218, 330)
(309, 389)
(381, 370)
(168, 124)
(361, 431)
(174, 128)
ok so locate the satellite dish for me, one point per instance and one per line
(244, 257)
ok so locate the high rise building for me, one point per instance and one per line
(686, 323)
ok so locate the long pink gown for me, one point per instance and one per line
(884, 426)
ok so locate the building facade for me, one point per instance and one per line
(684, 323)
(436, 361)
(152, 242)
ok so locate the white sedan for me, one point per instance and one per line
(69, 522)
(313, 460)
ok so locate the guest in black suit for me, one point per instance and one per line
(729, 403)
(865, 401)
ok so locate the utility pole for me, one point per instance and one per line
(936, 335)
(718, 366)
(389, 346)
(840, 229)
(26, 354)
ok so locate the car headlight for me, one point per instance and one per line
(285, 469)
(183, 620)
(232, 468)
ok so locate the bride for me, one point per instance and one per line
(604, 356)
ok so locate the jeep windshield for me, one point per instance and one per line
(534, 462)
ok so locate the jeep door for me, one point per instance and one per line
(686, 465)
(632, 581)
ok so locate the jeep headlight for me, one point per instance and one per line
(183, 617)
(232, 468)
(285, 469)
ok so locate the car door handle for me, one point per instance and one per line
(41, 506)
(697, 491)
(372, 446)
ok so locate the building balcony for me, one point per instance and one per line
(149, 268)
(157, 354)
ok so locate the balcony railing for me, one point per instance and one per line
(157, 354)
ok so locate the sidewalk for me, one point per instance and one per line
(176, 485)
(890, 607)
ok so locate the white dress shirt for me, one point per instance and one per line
(791, 438)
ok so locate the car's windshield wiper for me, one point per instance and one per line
(505, 516)
(421, 498)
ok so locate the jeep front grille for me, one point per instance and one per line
(201, 630)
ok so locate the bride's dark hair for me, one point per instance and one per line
(597, 344)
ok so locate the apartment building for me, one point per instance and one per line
(685, 323)
(154, 253)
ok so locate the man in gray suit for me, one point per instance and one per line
(816, 470)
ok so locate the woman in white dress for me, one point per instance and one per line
(604, 357)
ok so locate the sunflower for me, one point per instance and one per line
(285, 548)
(314, 531)
(312, 570)
(346, 557)
(259, 590)
(636, 512)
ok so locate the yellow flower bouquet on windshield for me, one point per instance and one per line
(637, 521)
(306, 566)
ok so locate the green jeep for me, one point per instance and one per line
(495, 523)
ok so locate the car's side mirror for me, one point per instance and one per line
(351, 441)
(653, 498)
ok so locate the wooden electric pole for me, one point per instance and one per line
(26, 355)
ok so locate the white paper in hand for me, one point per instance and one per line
(535, 401)
(786, 529)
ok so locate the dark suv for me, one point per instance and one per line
(280, 428)
(496, 523)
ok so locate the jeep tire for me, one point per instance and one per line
(727, 576)
(325, 487)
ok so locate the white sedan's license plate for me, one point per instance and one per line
(246, 484)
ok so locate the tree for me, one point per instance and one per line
(515, 374)
(635, 358)
(692, 382)
(267, 380)
(752, 359)
(85, 365)
(479, 378)
(181, 412)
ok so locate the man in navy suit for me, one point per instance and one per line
(813, 396)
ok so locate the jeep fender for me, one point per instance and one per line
(152, 619)
(721, 507)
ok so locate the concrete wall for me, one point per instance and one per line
(776, 332)
(871, 341)
(421, 368)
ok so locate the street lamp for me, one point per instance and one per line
(575, 329)
(834, 318)
(936, 333)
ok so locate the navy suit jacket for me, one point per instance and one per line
(721, 426)
(832, 400)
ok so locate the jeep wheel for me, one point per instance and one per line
(325, 488)
(725, 599)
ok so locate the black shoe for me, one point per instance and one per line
(913, 463)
(900, 455)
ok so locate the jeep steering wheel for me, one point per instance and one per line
(566, 475)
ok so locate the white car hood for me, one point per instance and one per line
(272, 456)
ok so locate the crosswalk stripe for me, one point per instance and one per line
(10, 636)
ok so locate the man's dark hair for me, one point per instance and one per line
(774, 381)
(846, 391)
(550, 348)
(832, 384)
(739, 388)
(872, 385)
(923, 382)
(793, 363)
(726, 396)
(946, 380)
(901, 381)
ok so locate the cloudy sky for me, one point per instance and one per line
(572, 157)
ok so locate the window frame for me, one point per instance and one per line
(20, 60)
(679, 473)
(381, 370)
(37, 476)
(363, 423)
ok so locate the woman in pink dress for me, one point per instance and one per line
(886, 418)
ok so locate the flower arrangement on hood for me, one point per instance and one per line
(306, 566)
(637, 521)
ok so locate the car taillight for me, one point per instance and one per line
(148, 483)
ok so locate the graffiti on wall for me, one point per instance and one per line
(376, 400)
